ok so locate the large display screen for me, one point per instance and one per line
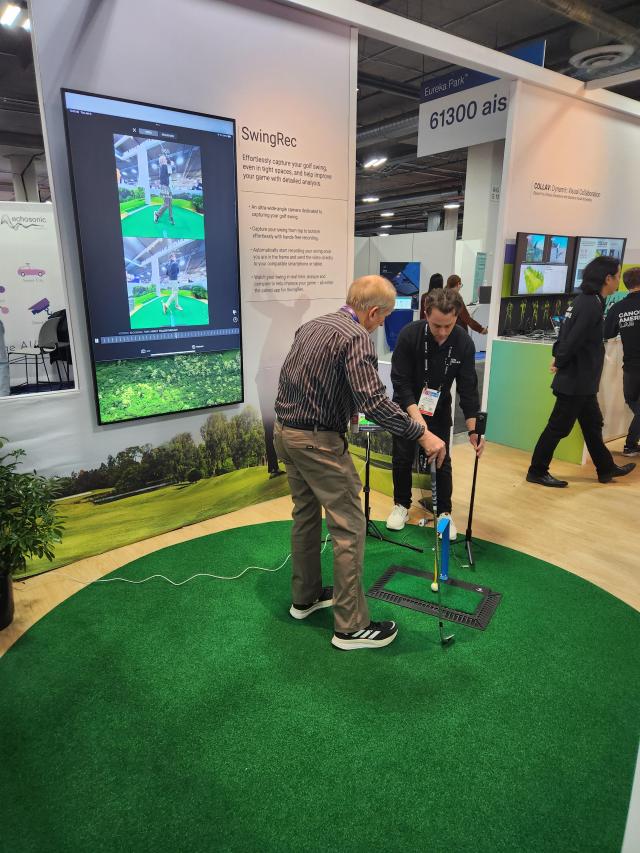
(591, 247)
(156, 207)
(542, 263)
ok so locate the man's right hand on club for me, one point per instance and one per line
(434, 447)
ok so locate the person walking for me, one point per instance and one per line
(577, 365)
(624, 319)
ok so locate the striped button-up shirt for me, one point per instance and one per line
(330, 373)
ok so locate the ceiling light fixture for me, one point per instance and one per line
(27, 25)
(452, 205)
(370, 198)
(9, 15)
(387, 213)
(384, 234)
(386, 226)
(374, 162)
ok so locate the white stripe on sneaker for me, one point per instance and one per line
(374, 635)
(357, 634)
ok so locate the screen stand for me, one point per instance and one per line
(372, 530)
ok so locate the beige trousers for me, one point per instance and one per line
(322, 474)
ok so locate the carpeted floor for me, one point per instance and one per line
(203, 718)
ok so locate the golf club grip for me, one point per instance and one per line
(481, 424)
(434, 489)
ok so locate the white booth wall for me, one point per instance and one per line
(308, 93)
(435, 251)
(576, 174)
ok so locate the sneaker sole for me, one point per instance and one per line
(302, 614)
(350, 645)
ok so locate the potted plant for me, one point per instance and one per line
(29, 524)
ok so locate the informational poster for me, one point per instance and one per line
(31, 281)
(293, 213)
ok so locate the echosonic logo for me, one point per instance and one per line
(16, 222)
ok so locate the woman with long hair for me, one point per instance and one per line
(577, 365)
(454, 282)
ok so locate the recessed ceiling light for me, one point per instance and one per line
(9, 15)
(387, 213)
(384, 234)
(27, 25)
(386, 226)
(375, 161)
(370, 198)
(453, 205)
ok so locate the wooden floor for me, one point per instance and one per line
(590, 529)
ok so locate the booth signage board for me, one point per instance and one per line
(460, 117)
(463, 118)
(31, 281)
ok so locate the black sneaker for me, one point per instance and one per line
(631, 450)
(374, 636)
(325, 599)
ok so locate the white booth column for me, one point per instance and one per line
(482, 197)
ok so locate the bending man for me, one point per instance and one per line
(328, 376)
(428, 356)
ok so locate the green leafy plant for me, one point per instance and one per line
(29, 523)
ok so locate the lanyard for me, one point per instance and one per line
(447, 362)
(349, 310)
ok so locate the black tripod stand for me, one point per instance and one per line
(481, 426)
(372, 530)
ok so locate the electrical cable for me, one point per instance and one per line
(198, 575)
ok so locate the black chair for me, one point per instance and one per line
(48, 343)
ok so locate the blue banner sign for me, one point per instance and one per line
(464, 78)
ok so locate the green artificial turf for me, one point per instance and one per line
(194, 312)
(189, 225)
(204, 718)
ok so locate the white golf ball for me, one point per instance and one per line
(434, 587)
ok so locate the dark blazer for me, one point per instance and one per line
(579, 350)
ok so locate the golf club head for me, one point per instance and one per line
(446, 639)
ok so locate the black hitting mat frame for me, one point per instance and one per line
(479, 619)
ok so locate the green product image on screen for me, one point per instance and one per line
(533, 279)
(141, 387)
(150, 314)
(188, 224)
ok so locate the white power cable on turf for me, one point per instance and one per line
(193, 577)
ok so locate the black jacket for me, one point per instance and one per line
(624, 319)
(407, 370)
(579, 350)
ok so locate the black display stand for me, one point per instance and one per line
(372, 530)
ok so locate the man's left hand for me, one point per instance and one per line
(477, 446)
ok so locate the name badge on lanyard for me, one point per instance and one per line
(428, 401)
(429, 398)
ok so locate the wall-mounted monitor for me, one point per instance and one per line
(405, 277)
(542, 264)
(156, 211)
(403, 303)
(589, 248)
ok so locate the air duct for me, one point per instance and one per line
(583, 13)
